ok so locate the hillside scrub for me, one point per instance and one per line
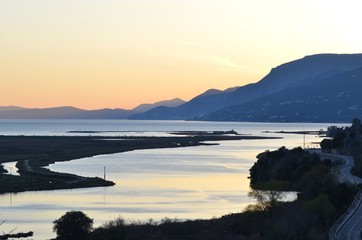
(348, 141)
(282, 169)
(321, 198)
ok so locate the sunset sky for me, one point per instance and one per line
(120, 53)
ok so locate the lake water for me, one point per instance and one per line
(183, 183)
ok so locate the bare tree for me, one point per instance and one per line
(266, 200)
(12, 235)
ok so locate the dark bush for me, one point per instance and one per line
(73, 225)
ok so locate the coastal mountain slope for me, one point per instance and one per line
(167, 103)
(203, 103)
(302, 72)
(336, 98)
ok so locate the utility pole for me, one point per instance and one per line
(303, 140)
(104, 172)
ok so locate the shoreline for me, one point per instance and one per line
(33, 153)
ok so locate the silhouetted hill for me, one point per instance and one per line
(67, 112)
(167, 103)
(336, 98)
(297, 78)
(10, 108)
(206, 102)
(62, 113)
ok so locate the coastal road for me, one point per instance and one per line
(350, 225)
(344, 170)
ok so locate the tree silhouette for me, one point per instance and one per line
(73, 225)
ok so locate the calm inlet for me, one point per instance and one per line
(183, 183)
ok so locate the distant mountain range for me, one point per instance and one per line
(62, 113)
(317, 88)
(12, 112)
(168, 103)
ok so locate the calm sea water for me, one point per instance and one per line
(183, 183)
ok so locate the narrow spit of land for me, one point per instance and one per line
(33, 153)
(316, 132)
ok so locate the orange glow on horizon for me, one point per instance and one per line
(118, 54)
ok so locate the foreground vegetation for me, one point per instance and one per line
(227, 227)
(348, 141)
(321, 198)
